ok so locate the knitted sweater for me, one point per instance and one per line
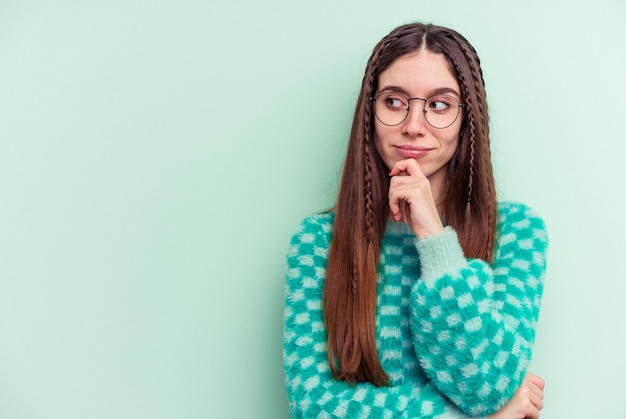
(453, 334)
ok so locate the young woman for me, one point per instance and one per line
(418, 295)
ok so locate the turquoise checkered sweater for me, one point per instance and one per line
(454, 335)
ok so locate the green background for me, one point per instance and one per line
(156, 156)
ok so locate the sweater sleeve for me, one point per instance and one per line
(312, 390)
(474, 324)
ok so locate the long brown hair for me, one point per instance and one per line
(469, 205)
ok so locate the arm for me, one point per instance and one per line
(475, 323)
(312, 390)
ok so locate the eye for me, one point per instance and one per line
(394, 101)
(441, 104)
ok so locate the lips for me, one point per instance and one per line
(408, 151)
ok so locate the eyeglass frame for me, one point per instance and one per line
(408, 109)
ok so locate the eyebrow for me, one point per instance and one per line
(436, 91)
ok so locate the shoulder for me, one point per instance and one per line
(518, 221)
(318, 222)
(314, 230)
(314, 225)
(517, 214)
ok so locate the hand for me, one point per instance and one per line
(411, 199)
(526, 402)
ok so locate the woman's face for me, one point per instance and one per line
(419, 75)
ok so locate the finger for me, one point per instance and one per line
(531, 402)
(532, 393)
(535, 379)
(537, 391)
(394, 206)
(533, 388)
(401, 194)
(536, 401)
(406, 211)
(400, 207)
(395, 203)
(409, 166)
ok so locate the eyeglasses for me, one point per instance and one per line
(440, 111)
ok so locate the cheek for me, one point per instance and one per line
(384, 134)
(453, 141)
(382, 141)
(379, 139)
(452, 137)
(452, 146)
(449, 145)
(378, 143)
(380, 150)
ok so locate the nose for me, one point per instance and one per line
(415, 122)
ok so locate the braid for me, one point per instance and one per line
(369, 210)
(475, 174)
(368, 158)
(355, 280)
(470, 181)
(489, 198)
(479, 81)
(471, 124)
(368, 204)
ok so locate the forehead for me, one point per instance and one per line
(419, 73)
